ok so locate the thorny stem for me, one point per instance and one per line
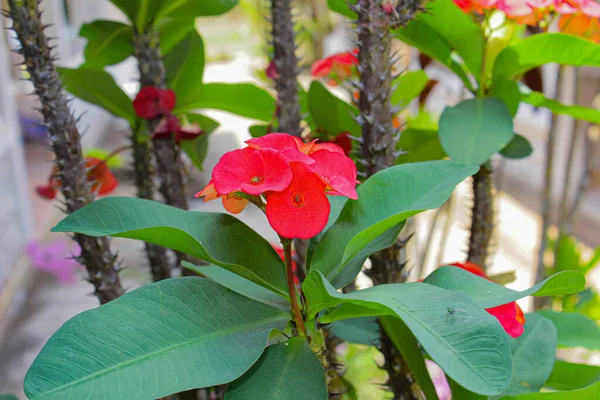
(287, 255)
(96, 256)
(482, 217)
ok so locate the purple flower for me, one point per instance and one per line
(55, 258)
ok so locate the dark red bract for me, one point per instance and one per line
(152, 102)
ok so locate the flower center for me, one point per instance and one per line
(297, 199)
(256, 180)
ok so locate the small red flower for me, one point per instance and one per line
(289, 146)
(252, 171)
(344, 142)
(272, 71)
(47, 192)
(509, 315)
(152, 102)
(170, 126)
(302, 209)
(338, 66)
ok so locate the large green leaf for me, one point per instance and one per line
(489, 294)
(518, 147)
(341, 6)
(98, 87)
(185, 68)
(163, 338)
(197, 148)
(329, 112)
(470, 346)
(336, 204)
(587, 393)
(217, 238)
(475, 129)
(407, 345)
(364, 330)
(140, 12)
(533, 356)
(429, 41)
(458, 30)
(419, 145)
(238, 284)
(384, 201)
(172, 31)
(408, 86)
(570, 376)
(538, 99)
(286, 371)
(196, 8)
(244, 99)
(545, 48)
(8, 397)
(508, 91)
(109, 42)
(574, 330)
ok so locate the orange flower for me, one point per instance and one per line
(580, 24)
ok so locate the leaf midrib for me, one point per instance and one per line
(230, 331)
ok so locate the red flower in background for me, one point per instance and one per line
(272, 71)
(343, 140)
(170, 126)
(152, 102)
(338, 67)
(293, 177)
(98, 173)
(509, 315)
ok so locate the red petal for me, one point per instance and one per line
(151, 102)
(271, 71)
(103, 181)
(472, 268)
(332, 147)
(276, 141)
(166, 127)
(167, 100)
(322, 67)
(47, 192)
(507, 315)
(277, 173)
(344, 142)
(188, 132)
(337, 170)
(209, 192)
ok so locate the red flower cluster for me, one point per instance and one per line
(337, 67)
(509, 315)
(577, 17)
(292, 176)
(152, 103)
(98, 173)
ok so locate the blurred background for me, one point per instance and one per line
(40, 287)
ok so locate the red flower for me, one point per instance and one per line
(152, 102)
(509, 315)
(343, 140)
(294, 177)
(338, 66)
(169, 126)
(252, 171)
(98, 173)
(302, 209)
(272, 71)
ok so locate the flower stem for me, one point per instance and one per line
(287, 254)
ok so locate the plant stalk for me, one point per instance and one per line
(287, 254)
(482, 217)
(100, 263)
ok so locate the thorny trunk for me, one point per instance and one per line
(96, 256)
(482, 217)
(284, 46)
(158, 259)
(378, 148)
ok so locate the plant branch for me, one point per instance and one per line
(482, 217)
(287, 254)
(100, 263)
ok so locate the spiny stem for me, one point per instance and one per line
(287, 255)
(482, 217)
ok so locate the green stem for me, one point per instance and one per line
(287, 254)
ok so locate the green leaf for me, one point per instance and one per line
(258, 130)
(185, 68)
(341, 6)
(533, 355)
(163, 338)
(570, 376)
(172, 31)
(109, 42)
(470, 346)
(408, 86)
(407, 345)
(196, 8)
(244, 99)
(475, 129)
(419, 145)
(8, 397)
(286, 371)
(217, 238)
(429, 41)
(458, 30)
(574, 330)
(538, 99)
(545, 48)
(140, 12)
(518, 147)
(336, 204)
(362, 330)
(459, 392)
(330, 113)
(587, 393)
(384, 201)
(238, 284)
(98, 87)
(197, 148)
(488, 294)
(508, 91)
